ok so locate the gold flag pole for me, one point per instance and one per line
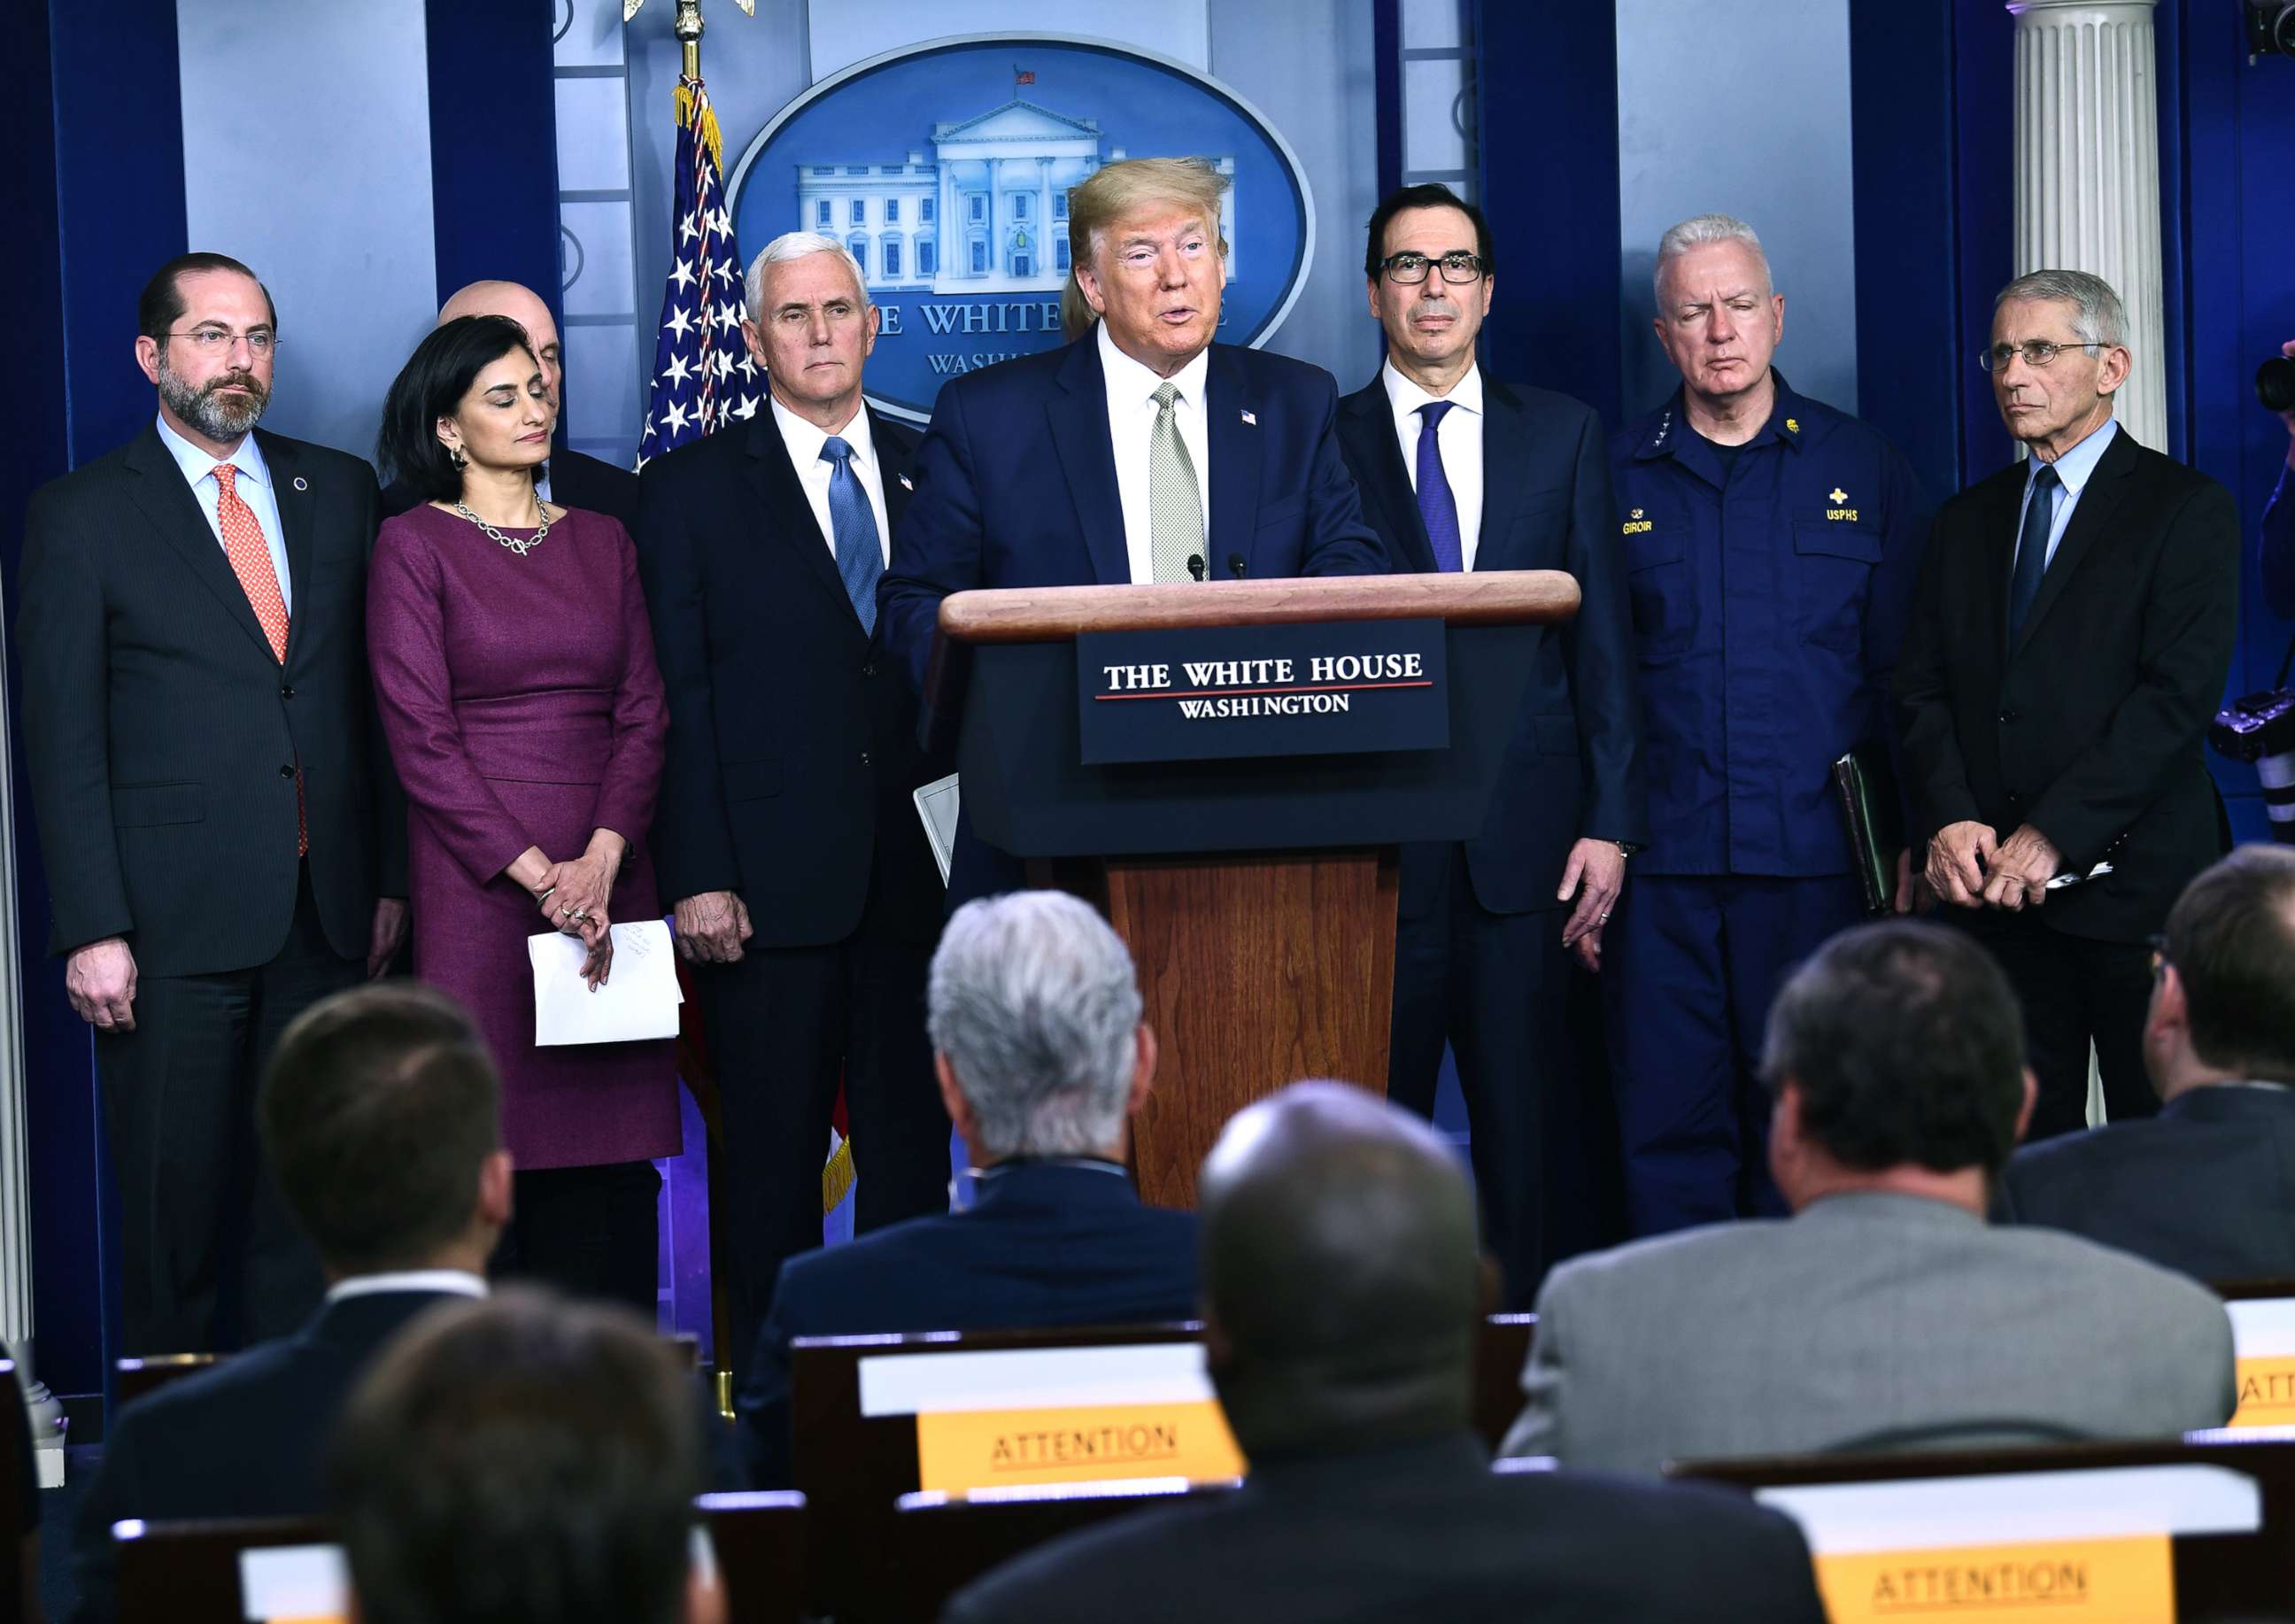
(686, 25)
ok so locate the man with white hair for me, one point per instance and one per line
(1043, 1058)
(570, 477)
(806, 899)
(1772, 544)
(2075, 625)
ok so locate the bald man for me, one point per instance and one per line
(570, 477)
(1343, 1293)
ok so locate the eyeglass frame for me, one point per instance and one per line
(2161, 956)
(225, 339)
(1989, 354)
(1481, 268)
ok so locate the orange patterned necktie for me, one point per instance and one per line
(250, 561)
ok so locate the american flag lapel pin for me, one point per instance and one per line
(905, 485)
(1250, 418)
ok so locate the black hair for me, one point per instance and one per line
(162, 304)
(1431, 194)
(1907, 1045)
(377, 1110)
(430, 385)
(2230, 937)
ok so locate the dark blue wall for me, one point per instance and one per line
(493, 144)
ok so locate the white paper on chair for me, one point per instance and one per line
(639, 999)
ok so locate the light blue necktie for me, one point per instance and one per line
(860, 557)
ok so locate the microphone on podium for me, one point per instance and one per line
(1234, 564)
(1196, 564)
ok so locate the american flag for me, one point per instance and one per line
(702, 372)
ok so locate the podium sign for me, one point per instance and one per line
(1212, 693)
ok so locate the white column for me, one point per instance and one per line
(15, 1149)
(2087, 171)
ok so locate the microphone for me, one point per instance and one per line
(1234, 564)
(1196, 564)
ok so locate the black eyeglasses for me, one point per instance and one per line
(2036, 352)
(1409, 269)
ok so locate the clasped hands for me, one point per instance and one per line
(1970, 866)
(574, 895)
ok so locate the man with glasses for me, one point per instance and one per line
(2074, 623)
(1771, 547)
(224, 838)
(1460, 472)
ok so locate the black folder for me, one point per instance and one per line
(1867, 788)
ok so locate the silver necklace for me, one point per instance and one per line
(521, 548)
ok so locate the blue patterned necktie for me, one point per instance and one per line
(2032, 549)
(859, 556)
(1436, 506)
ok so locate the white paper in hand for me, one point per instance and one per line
(639, 999)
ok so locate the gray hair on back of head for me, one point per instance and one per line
(1033, 1000)
(797, 245)
(1696, 232)
(2097, 314)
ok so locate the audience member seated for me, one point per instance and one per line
(378, 1115)
(1043, 1058)
(523, 1461)
(2207, 1186)
(1885, 1313)
(1342, 1294)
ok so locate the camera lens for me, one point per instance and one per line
(2274, 384)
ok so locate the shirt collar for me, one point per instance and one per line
(1407, 397)
(804, 439)
(1132, 381)
(1789, 423)
(2075, 467)
(198, 464)
(452, 1282)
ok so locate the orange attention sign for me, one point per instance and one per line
(959, 1451)
(2267, 1391)
(2129, 1580)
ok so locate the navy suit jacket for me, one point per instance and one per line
(1422, 1531)
(792, 751)
(2206, 1188)
(247, 1438)
(1046, 1243)
(1016, 485)
(1574, 769)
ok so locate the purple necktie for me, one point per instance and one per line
(1437, 508)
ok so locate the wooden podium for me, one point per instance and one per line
(1257, 894)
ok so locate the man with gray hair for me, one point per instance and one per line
(806, 898)
(1043, 1058)
(1771, 548)
(2074, 627)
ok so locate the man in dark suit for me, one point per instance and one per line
(2208, 1187)
(1461, 472)
(570, 477)
(381, 1120)
(225, 842)
(806, 897)
(2075, 621)
(1341, 1297)
(1143, 452)
(1043, 1058)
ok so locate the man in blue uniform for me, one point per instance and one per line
(1772, 545)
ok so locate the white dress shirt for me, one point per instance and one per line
(2074, 467)
(813, 472)
(1459, 438)
(253, 483)
(453, 1281)
(1131, 420)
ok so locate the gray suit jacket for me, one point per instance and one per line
(1867, 1322)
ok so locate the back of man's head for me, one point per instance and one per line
(1342, 1283)
(2231, 941)
(1033, 1003)
(1907, 1048)
(520, 1461)
(380, 1114)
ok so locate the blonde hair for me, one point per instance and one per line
(1115, 190)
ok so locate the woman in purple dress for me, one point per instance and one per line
(515, 673)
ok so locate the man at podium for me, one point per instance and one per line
(1140, 452)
